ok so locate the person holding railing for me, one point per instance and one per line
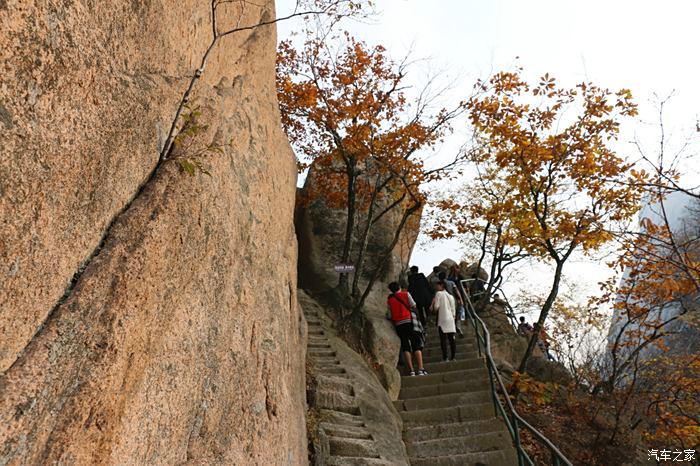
(444, 306)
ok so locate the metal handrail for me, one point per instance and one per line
(510, 313)
(512, 419)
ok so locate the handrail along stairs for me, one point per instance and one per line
(512, 419)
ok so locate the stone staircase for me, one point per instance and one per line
(448, 415)
(348, 435)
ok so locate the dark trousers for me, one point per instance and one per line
(422, 313)
(444, 338)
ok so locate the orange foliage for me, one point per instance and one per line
(347, 108)
(344, 110)
(559, 184)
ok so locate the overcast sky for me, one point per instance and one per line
(650, 47)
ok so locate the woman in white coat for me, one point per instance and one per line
(444, 306)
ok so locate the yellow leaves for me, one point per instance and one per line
(533, 391)
(548, 172)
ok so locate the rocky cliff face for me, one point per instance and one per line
(144, 324)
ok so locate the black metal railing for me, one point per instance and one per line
(504, 407)
(478, 291)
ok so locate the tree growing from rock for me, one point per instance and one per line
(346, 112)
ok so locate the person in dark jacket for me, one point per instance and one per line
(419, 288)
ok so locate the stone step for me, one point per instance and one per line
(436, 353)
(443, 401)
(323, 363)
(437, 367)
(349, 461)
(452, 414)
(316, 341)
(460, 386)
(337, 401)
(437, 357)
(335, 384)
(336, 417)
(337, 430)
(335, 370)
(315, 331)
(322, 352)
(433, 344)
(455, 429)
(318, 345)
(352, 447)
(486, 458)
(445, 377)
(458, 445)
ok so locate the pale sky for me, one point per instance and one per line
(650, 47)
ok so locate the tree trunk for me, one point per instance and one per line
(387, 256)
(543, 315)
(349, 226)
(364, 241)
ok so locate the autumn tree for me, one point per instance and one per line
(473, 214)
(345, 109)
(655, 305)
(560, 183)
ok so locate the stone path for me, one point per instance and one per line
(448, 415)
(343, 428)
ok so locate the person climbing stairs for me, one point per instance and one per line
(448, 416)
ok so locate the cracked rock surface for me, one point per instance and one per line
(176, 343)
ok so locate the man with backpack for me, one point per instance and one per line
(401, 307)
(420, 290)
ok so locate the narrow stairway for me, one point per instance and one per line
(345, 436)
(448, 415)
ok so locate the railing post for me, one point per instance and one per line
(516, 439)
(494, 395)
(555, 459)
(478, 337)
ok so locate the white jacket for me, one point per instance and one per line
(444, 305)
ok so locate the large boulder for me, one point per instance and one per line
(473, 270)
(320, 226)
(144, 324)
(320, 232)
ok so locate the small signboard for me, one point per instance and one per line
(344, 268)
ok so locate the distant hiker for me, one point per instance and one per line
(401, 307)
(524, 328)
(419, 289)
(543, 343)
(476, 285)
(450, 287)
(499, 301)
(456, 277)
(433, 279)
(444, 306)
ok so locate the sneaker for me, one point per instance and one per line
(422, 372)
(412, 374)
(445, 360)
(453, 359)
